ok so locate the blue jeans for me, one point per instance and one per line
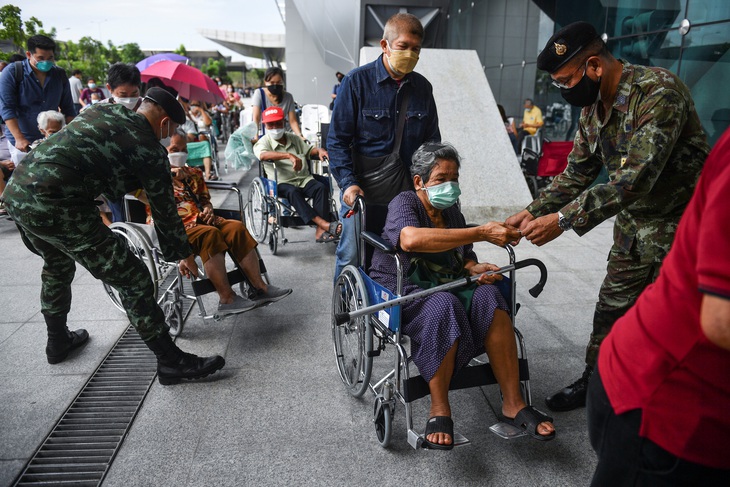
(347, 247)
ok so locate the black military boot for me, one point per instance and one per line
(60, 340)
(173, 364)
(573, 396)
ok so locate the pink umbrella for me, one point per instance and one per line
(190, 82)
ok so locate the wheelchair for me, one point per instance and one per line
(175, 294)
(542, 160)
(366, 323)
(268, 215)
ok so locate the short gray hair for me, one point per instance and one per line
(402, 22)
(50, 116)
(426, 157)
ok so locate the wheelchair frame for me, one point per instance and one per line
(361, 331)
(269, 215)
(166, 276)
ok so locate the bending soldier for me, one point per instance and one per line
(109, 150)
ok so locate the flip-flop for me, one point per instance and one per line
(335, 229)
(528, 419)
(326, 237)
(439, 424)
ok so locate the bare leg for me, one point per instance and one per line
(207, 165)
(215, 269)
(502, 352)
(439, 387)
(250, 266)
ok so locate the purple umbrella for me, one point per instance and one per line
(164, 56)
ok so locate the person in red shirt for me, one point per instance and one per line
(659, 403)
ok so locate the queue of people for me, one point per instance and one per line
(655, 376)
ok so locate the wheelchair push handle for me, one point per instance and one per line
(357, 207)
(535, 291)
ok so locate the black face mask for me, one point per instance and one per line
(584, 93)
(276, 90)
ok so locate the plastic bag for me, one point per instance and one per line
(239, 151)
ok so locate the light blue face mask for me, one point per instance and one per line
(44, 66)
(443, 195)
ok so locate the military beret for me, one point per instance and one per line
(168, 103)
(564, 45)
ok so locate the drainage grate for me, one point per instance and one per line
(82, 445)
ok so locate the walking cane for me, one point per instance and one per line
(535, 291)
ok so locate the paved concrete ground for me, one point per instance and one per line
(278, 414)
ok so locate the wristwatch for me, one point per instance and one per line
(563, 223)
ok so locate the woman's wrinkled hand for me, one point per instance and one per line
(478, 269)
(499, 233)
(188, 266)
(207, 215)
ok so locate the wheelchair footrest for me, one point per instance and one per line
(204, 286)
(507, 431)
(459, 440)
(471, 376)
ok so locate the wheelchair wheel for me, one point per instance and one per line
(257, 210)
(139, 245)
(383, 419)
(273, 242)
(353, 340)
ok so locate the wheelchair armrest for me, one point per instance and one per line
(221, 185)
(378, 242)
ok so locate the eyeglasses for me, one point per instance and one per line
(566, 87)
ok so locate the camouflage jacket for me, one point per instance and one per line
(652, 145)
(107, 150)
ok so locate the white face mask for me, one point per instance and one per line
(275, 133)
(178, 159)
(127, 102)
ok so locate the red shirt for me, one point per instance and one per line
(656, 358)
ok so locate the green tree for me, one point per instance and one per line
(181, 50)
(131, 53)
(255, 77)
(12, 28)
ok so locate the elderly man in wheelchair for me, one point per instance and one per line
(448, 329)
(211, 236)
(288, 154)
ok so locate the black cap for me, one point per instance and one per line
(565, 44)
(168, 103)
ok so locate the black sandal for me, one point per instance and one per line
(439, 424)
(528, 419)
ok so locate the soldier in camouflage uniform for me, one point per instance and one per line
(109, 150)
(644, 129)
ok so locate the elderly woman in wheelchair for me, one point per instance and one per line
(211, 236)
(448, 329)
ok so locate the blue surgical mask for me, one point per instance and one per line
(44, 66)
(443, 195)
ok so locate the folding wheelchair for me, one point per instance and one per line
(268, 214)
(366, 323)
(542, 160)
(175, 294)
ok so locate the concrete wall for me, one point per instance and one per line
(491, 180)
(308, 78)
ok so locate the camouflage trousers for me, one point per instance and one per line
(625, 280)
(91, 244)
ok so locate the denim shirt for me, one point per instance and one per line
(30, 99)
(365, 117)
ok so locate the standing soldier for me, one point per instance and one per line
(641, 124)
(111, 150)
